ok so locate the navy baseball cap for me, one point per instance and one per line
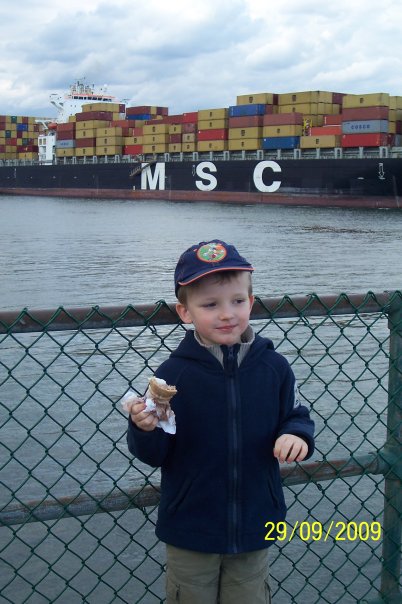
(208, 257)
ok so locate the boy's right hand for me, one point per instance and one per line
(144, 420)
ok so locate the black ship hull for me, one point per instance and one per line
(368, 182)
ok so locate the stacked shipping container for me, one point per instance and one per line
(18, 137)
(306, 120)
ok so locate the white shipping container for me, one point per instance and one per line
(365, 126)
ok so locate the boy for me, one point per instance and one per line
(237, 415)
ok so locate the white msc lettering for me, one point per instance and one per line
(155, 178)
(258, 176)
(210, 178)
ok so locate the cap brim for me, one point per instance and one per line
(214, 270)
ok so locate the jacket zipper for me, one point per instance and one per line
(234, 444)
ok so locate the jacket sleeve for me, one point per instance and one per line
(295, 417)
(152, 447)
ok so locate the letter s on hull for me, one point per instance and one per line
(210, 178)
(258, 176)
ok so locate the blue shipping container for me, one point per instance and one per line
(281, 142)
(245, 110)
(140, 116)
(363, 126)
(22, 127)
(65, 144)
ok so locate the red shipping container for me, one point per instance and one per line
(65, 135)
(69, 127)
(85, 142)
(269, 109)
(324, 130)
(189, 128)
(174, 138)
(337, 97)
(333, 120)
(283, 119)
(380, 139)
(398, 128)
(138, 131)
(122, 123)
(365, 113)
(132, 149)
(2, 148)
(94, 115)
(191, 117)
(249, 121)
(173, 119)
(215, 134)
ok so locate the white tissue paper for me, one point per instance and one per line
(168, 425)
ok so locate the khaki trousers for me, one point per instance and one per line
(199, 578)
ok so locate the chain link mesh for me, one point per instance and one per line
(78, 513)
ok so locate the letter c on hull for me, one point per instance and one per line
(258, 176)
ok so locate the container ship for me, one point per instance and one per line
(314, 148)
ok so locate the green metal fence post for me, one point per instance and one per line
(393, 451)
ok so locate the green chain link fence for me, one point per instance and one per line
(77, 513)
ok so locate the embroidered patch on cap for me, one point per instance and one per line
(212, 252)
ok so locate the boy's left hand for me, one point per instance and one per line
(289, 447)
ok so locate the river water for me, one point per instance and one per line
(84, 252)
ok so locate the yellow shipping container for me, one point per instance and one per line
(87, 151)
(90, 133)
(285, 130)
(263, 98)
(28, 155)
(156, 139)
(133, 140)
(156, 129)
(114, 107)
(375, 99)
(307, 108)
(175, 147)
(212, 146)
(11, 149)
(309, 96)
(113, 131)
(10, 154)
(314, 120)
(175, 129)
(108, 149)
(213, 124)
(91, 124)
(249, 144)
(235, 133)
(65, 152)
(188, 147)
(108, 141)
(2, 140)
(148, 149)
(213, 114)
(320, 142)
(395, 102)
(189, 138)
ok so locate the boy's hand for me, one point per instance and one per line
(289, 447)
(144, 420)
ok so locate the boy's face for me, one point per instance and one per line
(219, 311)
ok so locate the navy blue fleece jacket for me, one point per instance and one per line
(220, 481)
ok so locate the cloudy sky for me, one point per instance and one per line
(191, 55)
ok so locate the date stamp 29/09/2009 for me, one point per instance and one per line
(316, 531)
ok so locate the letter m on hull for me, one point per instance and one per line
(154, 176)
